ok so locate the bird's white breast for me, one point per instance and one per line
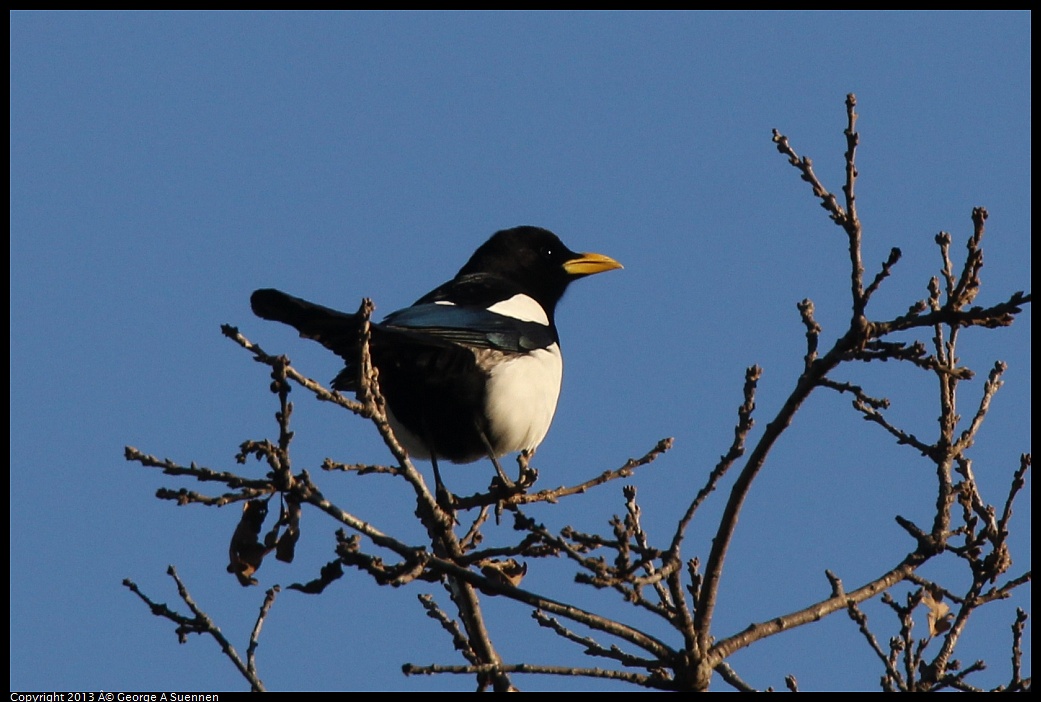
(523, 390)
(522, 398)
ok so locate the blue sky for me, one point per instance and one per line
(165, 165)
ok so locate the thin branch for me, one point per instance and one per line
(903, 438)
(861, 620)
(730, 676)
(315, 387)
(648, 681)
(553, 495)
(1016, 682)
(744, 426)
(991, 387)
(592, 647)
(887, 267)
(459, 640)
(199, 473)
(254, 637)
(813, 331)
(201, 623)
(828, 201)
(724, 648)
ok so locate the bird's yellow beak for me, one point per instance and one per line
(590, 263)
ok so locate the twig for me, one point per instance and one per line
(201, 623)
(566, 671)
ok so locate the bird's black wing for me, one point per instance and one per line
(423, 339)
(471, 326)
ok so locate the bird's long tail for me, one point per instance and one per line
(337, 331)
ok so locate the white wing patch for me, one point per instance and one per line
(521, 307)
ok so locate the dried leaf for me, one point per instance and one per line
(504, 572)
(286, 545)
(940, 615)
(245, 552)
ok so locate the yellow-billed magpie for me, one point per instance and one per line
(472, 368)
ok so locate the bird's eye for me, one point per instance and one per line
(547, 252)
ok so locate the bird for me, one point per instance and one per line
(472, 369)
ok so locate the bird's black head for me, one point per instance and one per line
(536, 261)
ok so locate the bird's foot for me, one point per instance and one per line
(445, 499)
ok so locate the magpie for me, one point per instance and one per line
(473, 368)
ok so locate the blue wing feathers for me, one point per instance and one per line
(472, 326)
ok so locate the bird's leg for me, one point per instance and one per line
(441, 494)
(437, 473)
(507, 483)
(444, 497)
